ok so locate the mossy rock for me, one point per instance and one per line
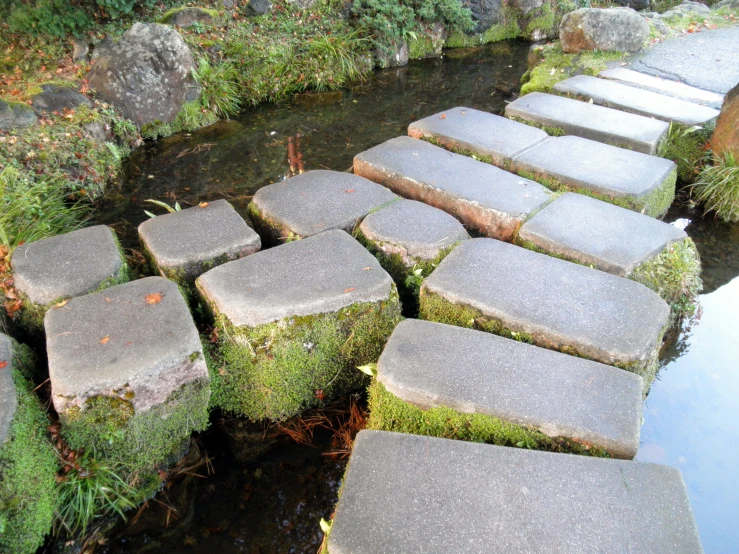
(187, 16)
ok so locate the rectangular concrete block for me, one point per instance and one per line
(485, 198)
(406, 493)
(430, 365)
(590, 121)
(635, 100)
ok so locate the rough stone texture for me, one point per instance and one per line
(80, 49)
(185, 17)
(612, 172)
(560, 304)
(56, 99)
(725, 138)
(258, 7)
(8, 398)
(398, 57)
(595, 233)
(635, 100)
(67, 265)
(15, 115)
(320, 274)
(137, 338)
(431, 365)
(413, 230)
(731, 4)
(582, 119)
(485, 13)
(483, 197)
(314, 202)
(481, 133)
(686, 7)
(611, 29)
(406, 493)
(147, 74)
(634, 4)
(188, 243)
(675, 89)
(525, 6)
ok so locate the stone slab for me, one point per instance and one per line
(582, 119)
(635, 100)
(318, 274)
(138, 337)
(319, 200)
(432, 364)
(560, 304)
(675, 89)
(480, 133)
(406, 493)
(483, 197)
(603, 169)
(190, 240)
(413, 229)
(67, 265)
(8, 398)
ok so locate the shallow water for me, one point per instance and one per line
(272, 503)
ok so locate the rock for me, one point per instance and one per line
(490, 137)
(397, 56)
(635, 100)
(314, 202)
(80, 49)
(638, 5)
(570, 400)
(725, 139)
(56, 99)
(302, 4)
(686, 8)
(485, 13)
(407, 493)
(429, 42)
(147, 74)
(14, 115)
(294, 321)
(8, 398)
(535, 56)
(129, 354)
(186, 17)
(661, 26)
(489, 200)
(183, 245)
(552, 303)
(257, 7)
(731, 4)
(582, 119)
(611, 29)
(54, 269)
(525, 6)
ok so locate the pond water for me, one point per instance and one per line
(267, 494)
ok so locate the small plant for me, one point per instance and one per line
(686, 146)
(220, 89)
(717, 188)
(170, 209)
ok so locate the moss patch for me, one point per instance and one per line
(389, 413)
(508, 28)
(551, 131)
(270, 231)
(191, 116)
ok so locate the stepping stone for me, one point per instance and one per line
(314, 202)
(491, 138)
(410, 239)
(294, 321)
(55, 269)
(408, 493)
(512, 291)
(29, 463)
(489, 200)
(128, 375)
(572, 117)
(518, 392)
(675, 89)
(183, 245)
(635, 100)
(632, 180)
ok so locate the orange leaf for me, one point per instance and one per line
(154, 298)
(203, 205)
(3, 364)
(107, 299)
(350, 190)
(61, 304)
(105, 339)
(350, 289)
(442, 116)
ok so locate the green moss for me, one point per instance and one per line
(271, 232)
(389, 413)
(509, 28)
(464, 152)
(551, 131)
(541, 19)
(687, 147)
(169, 14)
(274, 371)
(28, 469)
(192, 116)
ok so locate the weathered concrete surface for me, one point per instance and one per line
(614, 173)
(134, 338)
(725, 139)
(561, 305)
(635, 100)
(483, 197)
(675, 89)
(8, 398)
(596, 233)
(432, 364)
(314, 202)
(320, 274)
(608, 30)
(67, 265)
(412, 230)
(481, 133)
(185, 244)
(582, 119)
(405, 493)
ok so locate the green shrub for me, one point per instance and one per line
(717, 188)
(220, 89)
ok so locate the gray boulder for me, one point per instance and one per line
(53, 98)
(731, 4)
(525, 6)
(396, 56)
(257, 7)
(14, 115)
(685, 8)
(186, 17)
(611, 29)
(147, 74)
(485, 13)
(634, 4)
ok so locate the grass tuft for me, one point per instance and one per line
(717, 188)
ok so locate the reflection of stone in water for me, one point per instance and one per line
(653, 453)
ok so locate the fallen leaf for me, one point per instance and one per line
(3, 364)
(366, 269)
(61, 304)
(442, 116)
(107, 299)
(154, 298)
(350, 289)
(350, 190)
(105, 339)
(203, 205)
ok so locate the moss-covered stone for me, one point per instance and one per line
(192, 116)
(271, 232)
(508, 28)
(551, 131)
(390, 413)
